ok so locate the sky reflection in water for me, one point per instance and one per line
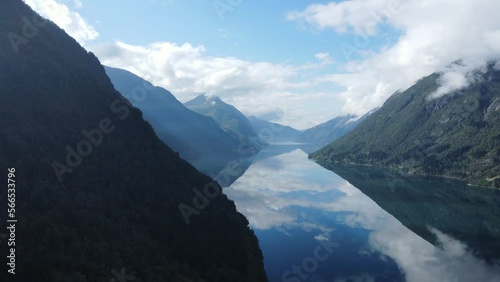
(293, 203)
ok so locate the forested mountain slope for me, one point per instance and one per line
(97, 192)
(457, 135)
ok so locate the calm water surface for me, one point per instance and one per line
(354, 224)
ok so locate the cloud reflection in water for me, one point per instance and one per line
(288, 191)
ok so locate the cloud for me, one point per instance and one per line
(450, 81)
(256, 88)
(457, 76)
(268, 195)
(72, 22)
(186, 69)
(77, 4)
(322, 56)
(360, 17)
(432, 35)
(269, 202)
(421, 261)
(262, 89)
(429, 36)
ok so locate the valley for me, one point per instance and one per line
(169, 141)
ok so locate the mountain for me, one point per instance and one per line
(273, 132)
(422, 203)
(98, 196)
(325, 133)
(457, 135)
(197, 138)
(229, 119)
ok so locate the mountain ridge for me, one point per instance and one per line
(457, 135)
(322, 134)
(273, 132)
(197, 138)
(118, 207)
(229, 118)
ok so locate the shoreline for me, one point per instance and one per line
(416, 174)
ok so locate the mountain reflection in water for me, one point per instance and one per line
(387, 227)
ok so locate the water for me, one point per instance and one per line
(366, 225)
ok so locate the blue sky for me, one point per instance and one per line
(299, 63)
(255, 30)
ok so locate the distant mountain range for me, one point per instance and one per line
(325, 133)
(273, 132)
(99, 195)
(230, 119)
(197, 138)
(457, 135)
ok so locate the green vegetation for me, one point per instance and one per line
(457, 135)
(119, 207)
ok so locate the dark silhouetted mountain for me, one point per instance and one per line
(197, 138)
(456, 135)
(98, 194)
(273, 132)
(466, 213)
(228, 117)
(325, 133)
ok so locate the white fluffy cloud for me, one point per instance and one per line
(274, 91)
(322, 56)
(433, 34)
(430, 35)
(186, 69)
(72, 22)
(361, 17)
(257, 88)
(262, 194)
(77, 3)
(263, 197)
(421, 261)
